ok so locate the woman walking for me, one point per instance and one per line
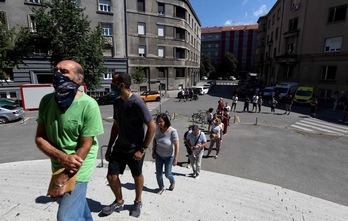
(165, 151)
(216, 132)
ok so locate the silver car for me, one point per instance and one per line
(10, 113)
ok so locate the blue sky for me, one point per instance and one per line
(230, 12)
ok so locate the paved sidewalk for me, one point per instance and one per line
(212, 197)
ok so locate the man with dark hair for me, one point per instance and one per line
(69, 121)
(187, 145)
(130, 115)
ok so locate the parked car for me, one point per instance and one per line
(106, 99)
(283, 90)
(9, 101)
(268, 92)
(151, 96)
(204, 89)
(233, 78)
(204, 78)
(10, 113)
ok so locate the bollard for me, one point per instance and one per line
(234, 119)
(256, 121)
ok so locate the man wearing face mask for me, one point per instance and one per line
(130, 116)
(68, 122)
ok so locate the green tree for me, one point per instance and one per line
(138, 75)
(206, 66)
(63, 32)
(229, 64)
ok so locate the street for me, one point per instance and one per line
(261, 147)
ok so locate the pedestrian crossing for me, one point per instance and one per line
(155, 104)
(226, 83)
(315, 125)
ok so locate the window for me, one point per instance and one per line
(161, 72)
(33, 1)
(161, 8)
(160, 30)
(3, 18)
(333, 44)
(161, 51)
(328, 73)
(290, 48)
(142, 51)
(337, 13)
(179, 72)
(179, 53)
(276, 33)
(180, 33)
(109, 73)
(293, 24)
(104, 5)
(106, 29)
(141, 28)
(141, 5)
(31, 23)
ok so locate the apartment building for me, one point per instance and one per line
(304, 41)
(239, 40)
(162, 37)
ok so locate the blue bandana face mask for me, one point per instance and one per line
(66, 90)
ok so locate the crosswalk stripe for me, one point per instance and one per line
(332, 127)
(317, 128)
(326, 123)
(302, 128)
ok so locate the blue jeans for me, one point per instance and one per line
(168, 165)
(73, 206)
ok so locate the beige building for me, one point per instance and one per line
(303, 41)
(162, 37)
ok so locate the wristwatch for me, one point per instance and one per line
(143, 149)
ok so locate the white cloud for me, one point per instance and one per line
(261, 11)
(244, 2)
(229, 23)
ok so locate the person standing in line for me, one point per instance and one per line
(187, 145)
(210, 117)
(198, 141)
(314, 106)
(254, 100)
(221, 105)
(289, 102)
(259, 103)
(165, 151)
(69, 122)
(273, 102)
(234, 102)
(182, 95)
(217, 129)
(225, 119)
(128, 142)
(246, 103)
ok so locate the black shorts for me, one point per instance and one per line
(119, 160)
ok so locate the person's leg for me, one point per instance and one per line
(168, 169)
(159, 171)
(193, 164)
(212, 142)
(199, 163)
(218, 145)
(73, 206)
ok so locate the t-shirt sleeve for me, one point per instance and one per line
(174, 135)
(93, 124)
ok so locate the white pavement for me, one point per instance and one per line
(212, 197)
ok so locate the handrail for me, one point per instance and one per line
(101, 156)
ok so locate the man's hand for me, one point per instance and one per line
(107, 154)
(72, 163)
(138, 155)
(58, 191)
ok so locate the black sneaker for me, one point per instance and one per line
(135, 212)
(113, 207)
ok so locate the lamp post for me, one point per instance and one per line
(156, 82)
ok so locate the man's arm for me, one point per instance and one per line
(70, 162)
(151, 127)
(113, 135)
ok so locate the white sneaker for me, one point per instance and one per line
(188, 166)
(197, 177)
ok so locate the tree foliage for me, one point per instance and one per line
(7, 59)
(206, 66)
(63, 32)
(138, 75)
(229, 64)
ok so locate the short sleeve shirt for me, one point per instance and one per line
(165, 141)
(131, 116)
(64, 130)
(201, 139)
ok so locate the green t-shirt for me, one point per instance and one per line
(63, 130)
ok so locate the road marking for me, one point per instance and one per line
(319, 126)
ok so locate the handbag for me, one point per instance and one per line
(213, 136)
(69, 185)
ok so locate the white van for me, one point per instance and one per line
(283, 90)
